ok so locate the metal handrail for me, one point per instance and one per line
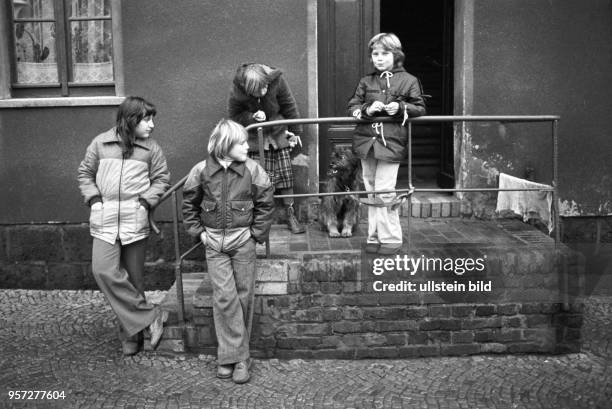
(350, 120)
(554, 119)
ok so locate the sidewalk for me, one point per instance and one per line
(65, 341)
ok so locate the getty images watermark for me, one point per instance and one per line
(413, 266)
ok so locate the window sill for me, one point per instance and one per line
(60, 102)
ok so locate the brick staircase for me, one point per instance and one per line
(315, 297)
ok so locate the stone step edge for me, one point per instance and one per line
(428, 208)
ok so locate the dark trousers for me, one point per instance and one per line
(118, 269)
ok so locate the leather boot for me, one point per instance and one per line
(293, 223)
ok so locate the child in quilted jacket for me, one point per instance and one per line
(123, 175)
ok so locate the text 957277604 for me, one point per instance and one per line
(36, 395)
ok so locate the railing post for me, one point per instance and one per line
(178, 274)
(559, 257)
(409, 185)
(410, 155)
(555, 126)
(260, 145)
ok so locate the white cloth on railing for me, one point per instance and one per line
(528, 204)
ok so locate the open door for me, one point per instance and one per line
(425, 29)
(345, 27)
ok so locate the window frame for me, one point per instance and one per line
(9, 89)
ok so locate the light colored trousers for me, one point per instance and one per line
(232, 274)
(118, 270)
(383, 223)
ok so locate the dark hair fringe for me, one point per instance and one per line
(253, 78)
(131, 111)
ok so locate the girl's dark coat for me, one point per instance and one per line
(278, 103)
(404, 89)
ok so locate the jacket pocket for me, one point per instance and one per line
(96, 218)
(142, 217)
(242, 213)
(209, 208)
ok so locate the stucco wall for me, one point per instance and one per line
(40, 151)
(181, 56)
(535, 58)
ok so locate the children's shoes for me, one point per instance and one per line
(241, 371)
(225, 371)
(389, 249)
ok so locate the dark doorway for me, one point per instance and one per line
(425, 29)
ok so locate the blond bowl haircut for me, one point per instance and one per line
(226, 134)
(389, 42)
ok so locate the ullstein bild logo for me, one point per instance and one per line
(433, 286)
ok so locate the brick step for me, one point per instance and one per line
(426, 205)
(272, 279)
(432, 205)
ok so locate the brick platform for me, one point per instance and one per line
(315, 297)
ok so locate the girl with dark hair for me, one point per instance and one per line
(123, 175)
(261, 93)
(130, 113)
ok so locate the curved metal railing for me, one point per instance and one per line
(172, 192)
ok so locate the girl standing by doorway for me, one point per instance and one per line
(389, 91)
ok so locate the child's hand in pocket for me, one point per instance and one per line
(204, 238)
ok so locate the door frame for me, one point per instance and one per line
(463, 88)
(368, 24)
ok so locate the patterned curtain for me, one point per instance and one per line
(91, 41)
(35, 42)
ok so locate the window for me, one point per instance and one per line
(63, 48)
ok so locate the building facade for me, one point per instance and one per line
(510, 57)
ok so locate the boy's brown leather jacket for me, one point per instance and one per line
(231, 205)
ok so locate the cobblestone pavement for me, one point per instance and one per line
(65, 341)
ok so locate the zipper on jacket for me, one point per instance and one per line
(224, 204)
(119, 202)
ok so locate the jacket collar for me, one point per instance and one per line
(111, 136)
(215, 166)
(394, 70)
